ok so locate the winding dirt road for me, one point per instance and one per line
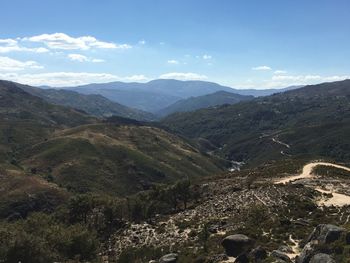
(337, 199)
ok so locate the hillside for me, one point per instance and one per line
(95, 105)
(194, 103)
(116, 159)
(313, 121)
(26, 119)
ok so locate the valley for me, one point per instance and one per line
(269, 169)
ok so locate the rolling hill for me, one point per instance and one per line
(194, 103)
(92, 104)
(116, 159)
(313, 122)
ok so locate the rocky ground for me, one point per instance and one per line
(278, 217)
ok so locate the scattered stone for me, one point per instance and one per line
(169, 258)
(258, 254)
(237, 244)
(322, 258)
(280, 255)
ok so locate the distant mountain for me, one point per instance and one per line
(161, 93)
(96, 105)
(313, 121)
(151, 96)
(205, 101)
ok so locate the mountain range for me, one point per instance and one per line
(158, 94)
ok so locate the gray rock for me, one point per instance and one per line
(280, 255)
(322, 258)
(169, 258)
(237, 244)
(326, 234)
(258, 254)
(307, 253)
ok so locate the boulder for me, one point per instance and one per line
(326, 234)
(322, 258)
(281, 256)
(258, 254)
(237, 244)
(306, 254)
(169, 258)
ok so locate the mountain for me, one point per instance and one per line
(26, 119)
(95, 105)
(151, 96)
(80, 153)
(313, 121)
(205, 101)
(161, 93)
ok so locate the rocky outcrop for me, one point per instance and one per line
(318, 243)
(326, 234)
(258, 254)
(236, 245)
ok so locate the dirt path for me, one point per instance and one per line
(335, 199)
(307, 172)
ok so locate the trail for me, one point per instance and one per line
(336, 199)
(307, 172)
(279, 142)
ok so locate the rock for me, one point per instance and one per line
(242, 258)
(169, 258)
(258, 254)
(323, 234)
(153, 261)
(307, 253)
(322, 258)
(237, 244)
(280, 255)
(326, 234)
(218, 258)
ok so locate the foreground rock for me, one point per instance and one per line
(236, 245)
(318, 243)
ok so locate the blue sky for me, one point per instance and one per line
(240, 43)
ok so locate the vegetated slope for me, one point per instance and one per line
(151, 96)
(26, 119)
(95, 105)
(313, 121)
(205, 101)
(116, 159)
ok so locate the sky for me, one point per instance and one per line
(239, 43)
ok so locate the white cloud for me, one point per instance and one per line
(65, 79)
(78, 57)
(82, 58)
(9, 64)
(142, 42)
(183, 76)
(173, 61)
(206, 57)
(66, 42)
(279, 72)
(261, 68)
(10, 45)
